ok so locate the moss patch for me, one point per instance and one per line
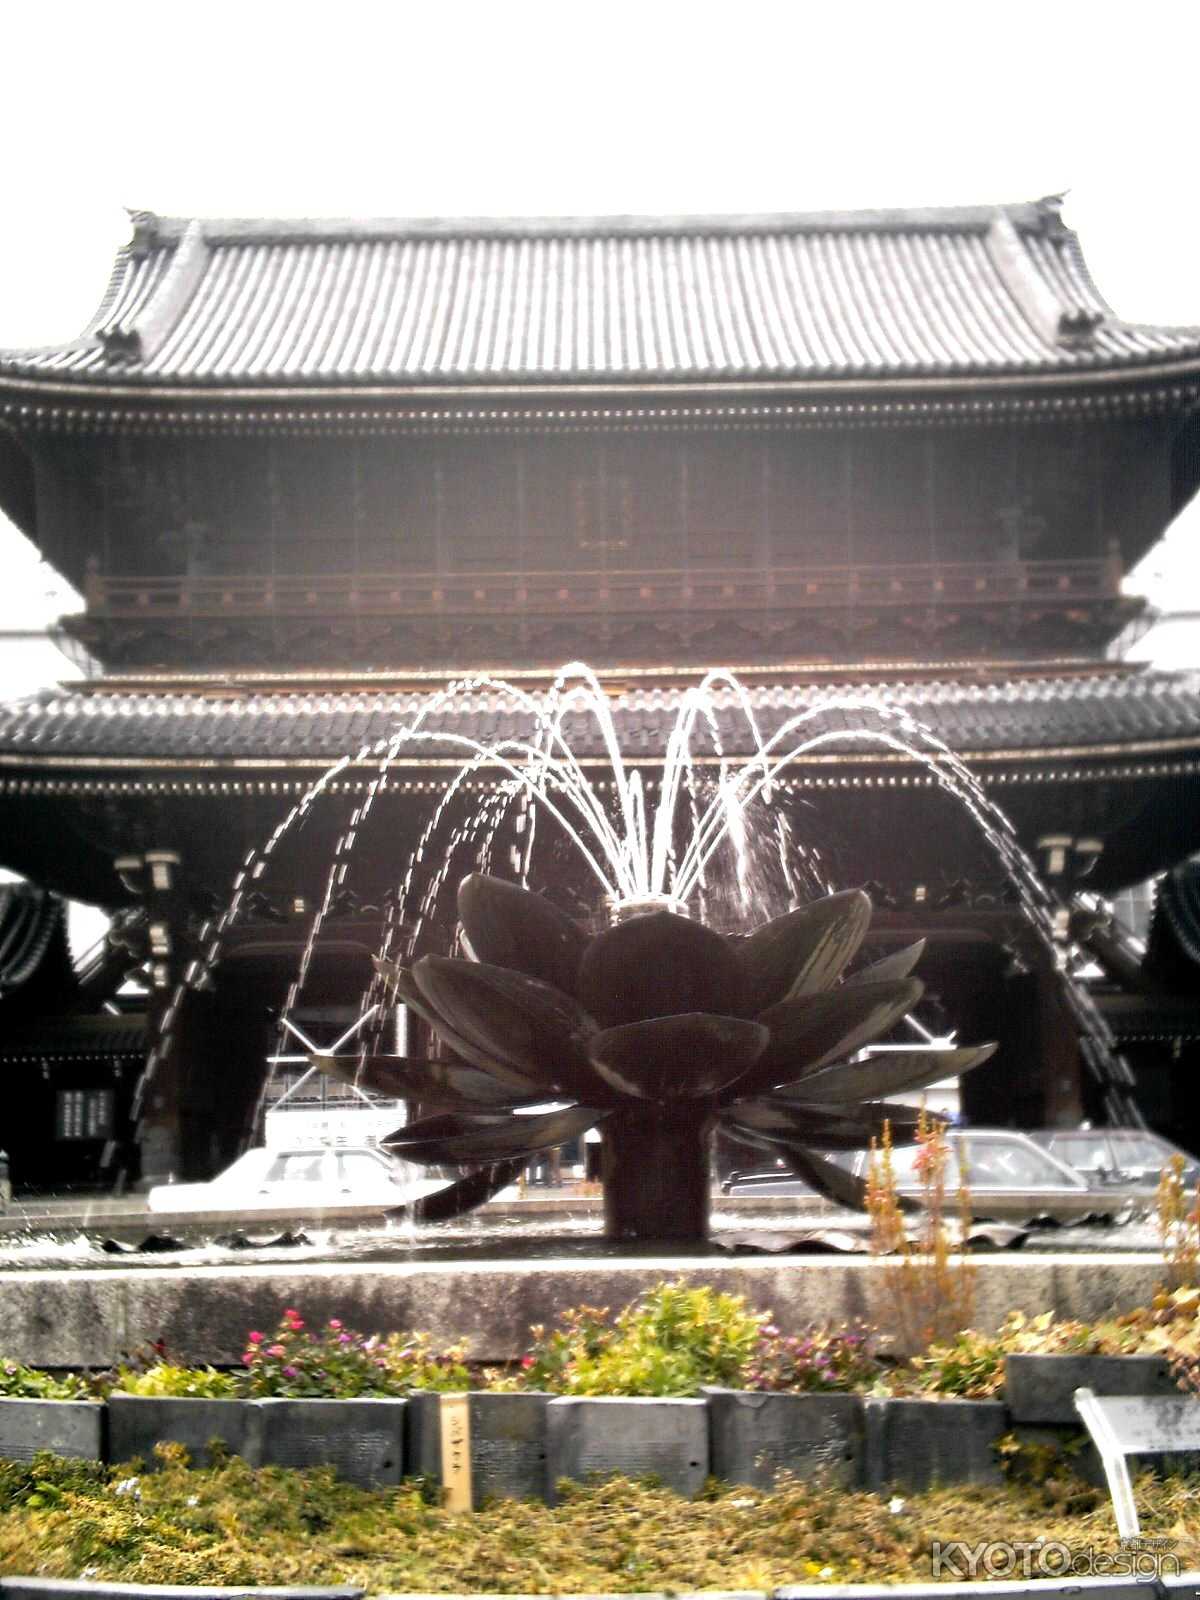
(231, 1524)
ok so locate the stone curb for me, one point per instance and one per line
(86, 1589)
(1040, 1389)
(1184, 1587)
(521, 1444)
(86, 1317)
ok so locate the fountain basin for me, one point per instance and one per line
(89, 1316)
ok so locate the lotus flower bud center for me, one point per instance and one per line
(621, 910)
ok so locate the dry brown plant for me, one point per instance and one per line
(931, 1280)
(1178, 1225)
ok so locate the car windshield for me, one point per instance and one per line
(1088, 1151)
(247, 1169)
(1137, 1150)
(360, 1166)
(1010, 1164)
(988, 1164)
(297, 1166)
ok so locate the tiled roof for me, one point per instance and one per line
(901, 294)
(1025, 716)
(74, 1037)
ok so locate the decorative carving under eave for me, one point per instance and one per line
(921, 632)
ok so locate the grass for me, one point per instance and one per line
(235, 1525)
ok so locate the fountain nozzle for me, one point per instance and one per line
(621, 907)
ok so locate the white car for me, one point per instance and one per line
(317, 1178)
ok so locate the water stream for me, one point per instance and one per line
(640, 841)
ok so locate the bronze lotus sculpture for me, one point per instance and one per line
(661, 1031)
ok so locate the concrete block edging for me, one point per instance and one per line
(1184, 1587)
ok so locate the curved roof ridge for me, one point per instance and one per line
(153, 229)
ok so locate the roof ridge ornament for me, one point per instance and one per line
(1055, 319)
(147, 231)
(143, 335)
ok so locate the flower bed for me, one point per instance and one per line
(735, 1395)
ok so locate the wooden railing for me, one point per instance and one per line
(954, 583)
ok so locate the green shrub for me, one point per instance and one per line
(164, 1380)
(669, 1342)
(582, 1334)
(46, 1480)
(971, 1364)
(334, 1362)
(27, 1383)
(825, 1361)
(413, 1363)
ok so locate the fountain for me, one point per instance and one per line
(661, 1030)
(659, 1027)
(549, 1010)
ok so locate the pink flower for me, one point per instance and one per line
(289, 1372)
(335, 1324)
(290, 1311)
(254, 1338)
(527, 1362)
(344, 1338)
(248, 1356)
(277, 1350)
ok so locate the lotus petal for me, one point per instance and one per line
(809, 1031)
(897, 965)
(462, 1195)
(812, 1241)
(894, 1072)
(448, 1083)
(508, 926)
(828, 1178)
(790, 1122)
(807, 950)
(834, 1181)
(476, 1055)
(743, 1133)
(527, 1024)
(660, 965)
(459, 1136)
(676, 1058)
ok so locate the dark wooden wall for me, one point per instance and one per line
(569, 501)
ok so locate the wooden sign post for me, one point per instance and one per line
(455, 1417)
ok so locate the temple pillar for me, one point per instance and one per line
(1058, 1050)
(158, 1108)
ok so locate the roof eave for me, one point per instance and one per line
(1128, 375)
(232, 766)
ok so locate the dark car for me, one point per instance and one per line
(1010, 1179)
(1124, 1158)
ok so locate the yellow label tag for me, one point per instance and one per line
(455, 1418)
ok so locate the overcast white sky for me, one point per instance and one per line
(259, 108)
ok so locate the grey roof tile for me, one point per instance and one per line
(1024, 714)
(998, 290)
